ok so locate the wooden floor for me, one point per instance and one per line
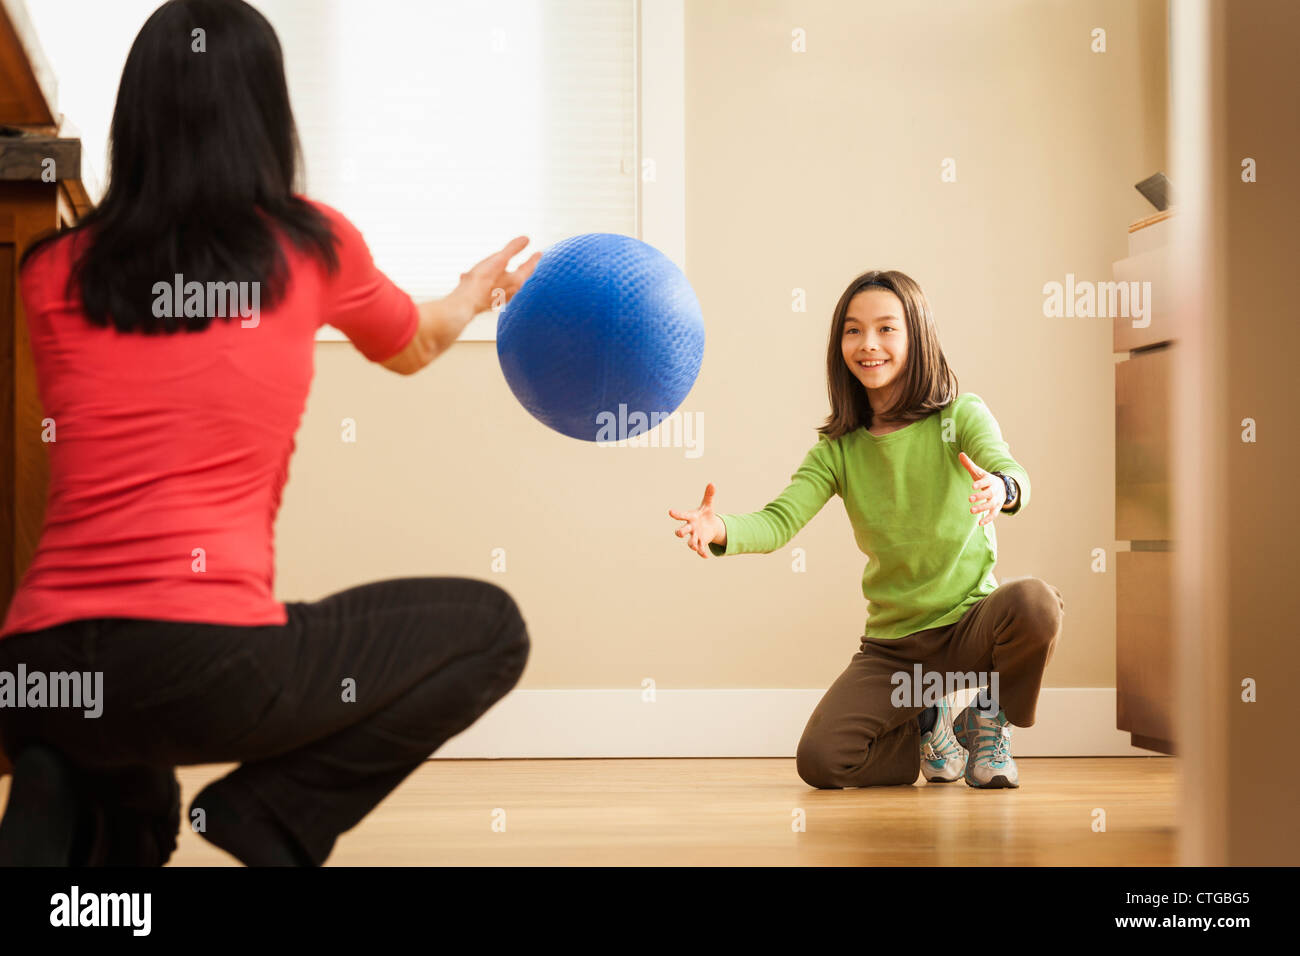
(743, 812)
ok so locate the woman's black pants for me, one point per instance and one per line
(325, 715)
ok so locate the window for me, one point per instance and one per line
(444, 129)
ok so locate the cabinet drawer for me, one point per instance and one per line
(1157, 325)
(1144, 658)
(1142, 422)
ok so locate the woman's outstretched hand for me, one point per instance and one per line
(702, 525)
(990, 492)
(489, 284)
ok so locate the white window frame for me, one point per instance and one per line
(660, 138)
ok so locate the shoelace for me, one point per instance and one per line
(1001, 742)
(947, 744)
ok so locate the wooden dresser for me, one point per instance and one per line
(1144, 651)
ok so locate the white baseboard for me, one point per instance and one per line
(1071, 722)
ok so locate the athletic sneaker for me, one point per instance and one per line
(988, 739)
(942, 757)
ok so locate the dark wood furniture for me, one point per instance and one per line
(40, 188)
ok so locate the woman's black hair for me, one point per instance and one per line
(203, 160)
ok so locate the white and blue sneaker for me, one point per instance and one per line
(942, 758)
(988, 739)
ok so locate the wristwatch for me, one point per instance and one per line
(1013, 490)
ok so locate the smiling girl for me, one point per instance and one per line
(923, 473)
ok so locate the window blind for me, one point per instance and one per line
(444, 129)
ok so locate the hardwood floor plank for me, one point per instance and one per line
(719, 812)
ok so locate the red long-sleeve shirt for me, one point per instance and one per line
(167, 444)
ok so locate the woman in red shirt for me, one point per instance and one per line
(173, 336)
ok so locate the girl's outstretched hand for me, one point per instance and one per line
(990, 493)
(702, 525)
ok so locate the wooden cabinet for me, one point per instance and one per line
(1144, 657)
(30, 203)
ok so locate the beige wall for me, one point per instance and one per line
(802, 171)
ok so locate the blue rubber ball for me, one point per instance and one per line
(607, 326)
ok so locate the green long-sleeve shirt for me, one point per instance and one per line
(907, 497)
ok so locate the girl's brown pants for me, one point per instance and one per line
(859, 737)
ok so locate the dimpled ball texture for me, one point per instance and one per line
(604, 321)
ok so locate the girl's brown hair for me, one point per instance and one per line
(927, 383)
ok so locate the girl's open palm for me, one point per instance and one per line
(701, 524)
(989, 494)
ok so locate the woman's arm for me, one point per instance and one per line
(441, 321)
(440, 324)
